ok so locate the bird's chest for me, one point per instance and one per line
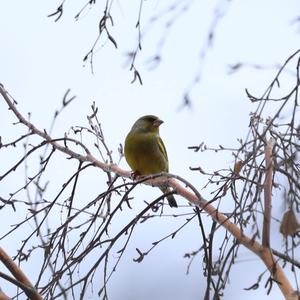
(144, 155)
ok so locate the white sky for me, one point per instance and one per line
(40, 60)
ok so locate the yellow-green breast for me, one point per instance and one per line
(145, 153)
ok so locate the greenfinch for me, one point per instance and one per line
(145, 151)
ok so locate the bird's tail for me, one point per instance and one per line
(170, 198)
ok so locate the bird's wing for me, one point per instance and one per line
(162, 148)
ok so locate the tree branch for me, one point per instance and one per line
(22, 280)
(194, 197)
(268, 193)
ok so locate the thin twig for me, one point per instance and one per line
(268, 193)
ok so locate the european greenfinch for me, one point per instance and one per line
(145, 151)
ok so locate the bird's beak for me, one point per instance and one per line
(157, 123)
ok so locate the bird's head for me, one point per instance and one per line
(147, 123)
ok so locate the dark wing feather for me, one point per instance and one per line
(163, 150)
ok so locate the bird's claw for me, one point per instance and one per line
(135, 175)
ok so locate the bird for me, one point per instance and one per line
(145, 151)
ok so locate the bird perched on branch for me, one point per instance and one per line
(145, 151)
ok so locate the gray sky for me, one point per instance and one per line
(41, 59)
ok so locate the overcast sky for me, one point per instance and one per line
(40, 59)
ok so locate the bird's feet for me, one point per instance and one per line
(135, 175)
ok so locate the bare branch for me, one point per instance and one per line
(268, 193)
(22, 281)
